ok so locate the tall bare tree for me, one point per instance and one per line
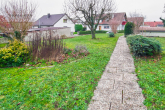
(137, 19)
(89, 12)
(19, 15)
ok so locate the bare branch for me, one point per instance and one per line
(137, 19)
(89, 12)
(19, 16)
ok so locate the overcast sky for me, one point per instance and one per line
(152, 9)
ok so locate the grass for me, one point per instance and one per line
(65, 86)
(74, 33)
(151, 75)
(1, 37)
(3, 45)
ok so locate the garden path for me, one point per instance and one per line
(118, 88)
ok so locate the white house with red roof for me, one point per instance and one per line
(152, 31)
(153, 24)
(118, 18)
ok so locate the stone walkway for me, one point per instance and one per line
(118, 88)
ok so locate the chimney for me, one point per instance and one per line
(48, 15)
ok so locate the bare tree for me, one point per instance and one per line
(19, 15)
(137, 19)
(116, 21)
(89, 12)
(114, 25)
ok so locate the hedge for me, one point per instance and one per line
(120, 31)
(78, 27)
(89, 32)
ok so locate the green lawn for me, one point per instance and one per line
(2, 45)
(151, 74)
(65, 86)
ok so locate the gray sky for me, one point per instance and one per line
(152, 9)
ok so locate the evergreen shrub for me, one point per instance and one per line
(89, 32)
(111, 34)
(143, 46)
(14, 54)
(129, 28)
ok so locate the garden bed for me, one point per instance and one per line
(64, 86)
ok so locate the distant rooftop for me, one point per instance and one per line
(156, 29)
(153, 23)
(48, 20)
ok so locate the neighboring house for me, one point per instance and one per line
(3, 25)
(55, 20)
(3, 22)
(152, 31)
(154, 24)
(136, 20)
(119, 19)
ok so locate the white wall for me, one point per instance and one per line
(68, 24)
(55, 32)
(120, 27)
(155, 34)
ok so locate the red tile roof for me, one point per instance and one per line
(153, 24)
(118, 18)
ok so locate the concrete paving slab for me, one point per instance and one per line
(99, 105)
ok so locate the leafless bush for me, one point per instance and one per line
(47, 47)
(114, 25)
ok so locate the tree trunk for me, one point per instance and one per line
(93, 34)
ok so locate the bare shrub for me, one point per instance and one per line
(47, 47)
(81, 50)
(114, 25)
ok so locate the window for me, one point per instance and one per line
(106, 27)
(64, 20)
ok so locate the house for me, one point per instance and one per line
(3, 24)
(154, 24)
(152, 31)
(55, 20)
(119, 19)
(139, 21)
